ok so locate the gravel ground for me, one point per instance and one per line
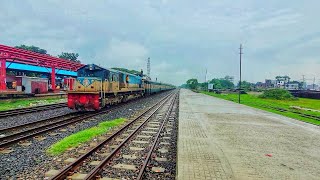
(31, 117)
(25, 160)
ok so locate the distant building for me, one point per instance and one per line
(312, 87)
(282, 81)
(260, 85)
(270, 83)
(293, 86)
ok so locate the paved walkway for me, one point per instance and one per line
(219, 139)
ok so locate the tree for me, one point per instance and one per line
(192, 83)
(69, 56)
(127, 70)
(203, 86)
(229, 78)
(245, 85)
(226, 84)
(222, 83)
(32, 48)
(216, 83)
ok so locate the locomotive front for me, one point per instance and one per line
(87, 87)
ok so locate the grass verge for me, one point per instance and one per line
(22, 103)
(83, 136)
(256, 102)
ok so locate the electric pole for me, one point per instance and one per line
(240, 73)
(314, 81)
(205, 81)
(148, 67)
(303, 86)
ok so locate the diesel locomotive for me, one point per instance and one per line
(96, 87)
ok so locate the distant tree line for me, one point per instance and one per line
(32, 48)
(69, 56)
(127, 70)
(64, 55)
(218, 83)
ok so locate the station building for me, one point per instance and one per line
(26, 72)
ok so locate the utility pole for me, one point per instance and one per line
(314, 81)
(240, 73)
(303, 87)
(205, 81)
(148, 66)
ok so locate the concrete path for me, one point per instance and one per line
(219, 139)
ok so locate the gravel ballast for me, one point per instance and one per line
(24, 159)
(31, 117)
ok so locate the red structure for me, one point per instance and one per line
(10, 54)
(69, 83)
(2, 74)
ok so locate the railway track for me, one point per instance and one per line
(15, 112)
(22, 132)
(17, 133)
(134, 143)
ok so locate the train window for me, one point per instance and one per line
(111, 77)
(106, 74)
(114, 77)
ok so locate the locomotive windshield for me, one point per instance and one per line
(93, 71)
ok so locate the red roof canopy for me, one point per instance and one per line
(32, 58)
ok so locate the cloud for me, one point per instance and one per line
(121, 53)
(183, 38)
(281, 18)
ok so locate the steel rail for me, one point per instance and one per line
(13, 138)
(71, 167)
(49, 127)
(2, 130)
(14, 112)
(145, 163)
(102, 164)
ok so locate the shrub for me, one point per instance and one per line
(280, 94)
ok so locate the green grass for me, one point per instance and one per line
(83, 136)
(256, 102)
(22, 103)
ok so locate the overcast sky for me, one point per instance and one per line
(182, 37)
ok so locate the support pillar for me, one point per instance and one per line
(3, 84)
(53, 78)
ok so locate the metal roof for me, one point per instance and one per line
(12, 54)
(26, 67)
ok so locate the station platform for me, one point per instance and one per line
(61, 93)
(219, 139)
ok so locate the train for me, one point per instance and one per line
(96, 87)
